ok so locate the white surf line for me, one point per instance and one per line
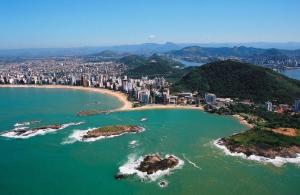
(133, 144)
(130, 168)
(78, 135)
(191, 162)
(31, 133)
(22, 124)
(277, 161)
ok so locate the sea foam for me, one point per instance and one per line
(277, 161)
(130, 168)
(31, 133)
(133, 144)
(191, 162)
(78, 135)
(22, 124)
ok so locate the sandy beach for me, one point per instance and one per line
(126, 105)
(243, 121)
(168, 106)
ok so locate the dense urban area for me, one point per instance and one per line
(106, 72)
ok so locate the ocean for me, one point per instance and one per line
(54, 163)
(292, 73)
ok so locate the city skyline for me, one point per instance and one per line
(35, 24)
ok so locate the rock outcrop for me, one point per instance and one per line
(112, 131)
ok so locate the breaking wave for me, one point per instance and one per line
(130, 168)
(133, 144)
(191, 162)
(277, 161)
(22, 124)
(77, 135)
(163, 183)
(31, 133)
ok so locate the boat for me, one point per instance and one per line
(143, 119)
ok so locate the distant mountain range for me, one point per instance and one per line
(273, 58)
(140, 49)
(240, 51)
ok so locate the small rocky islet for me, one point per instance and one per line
(91, 112)
(112, 131)
(153, 163)
(29, 131)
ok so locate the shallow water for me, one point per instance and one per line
(44, 165)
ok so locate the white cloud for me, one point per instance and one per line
(151, 37)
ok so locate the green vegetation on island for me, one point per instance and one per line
(112, 131)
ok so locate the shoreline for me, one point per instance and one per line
(277, 161)
(243, 121)
(126, 104)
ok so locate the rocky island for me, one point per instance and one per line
(111, 131)
(25, 132)
(149, 165)
(20, 132)
(91, 112)
(153, 163)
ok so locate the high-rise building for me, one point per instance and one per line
(144, 96)
(297, 105)
(269, 106)
(210, 98)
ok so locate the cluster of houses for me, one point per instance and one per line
(212, 103)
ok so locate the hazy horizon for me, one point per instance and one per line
(74, 24)
(212, 44)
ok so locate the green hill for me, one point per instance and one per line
(240, 80)
(107, 54)
(217, 52)
(153, 66)
(133, 61)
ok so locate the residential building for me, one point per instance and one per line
(210, 98)
(297, 106)
(269, 106)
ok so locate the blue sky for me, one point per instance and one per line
(75, 23)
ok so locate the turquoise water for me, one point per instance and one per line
(43, 165)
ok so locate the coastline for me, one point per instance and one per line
(120, 96)
(167, 106)
(277, 161)
(126, 104)
(243, 121)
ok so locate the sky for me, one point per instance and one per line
(79, 23)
